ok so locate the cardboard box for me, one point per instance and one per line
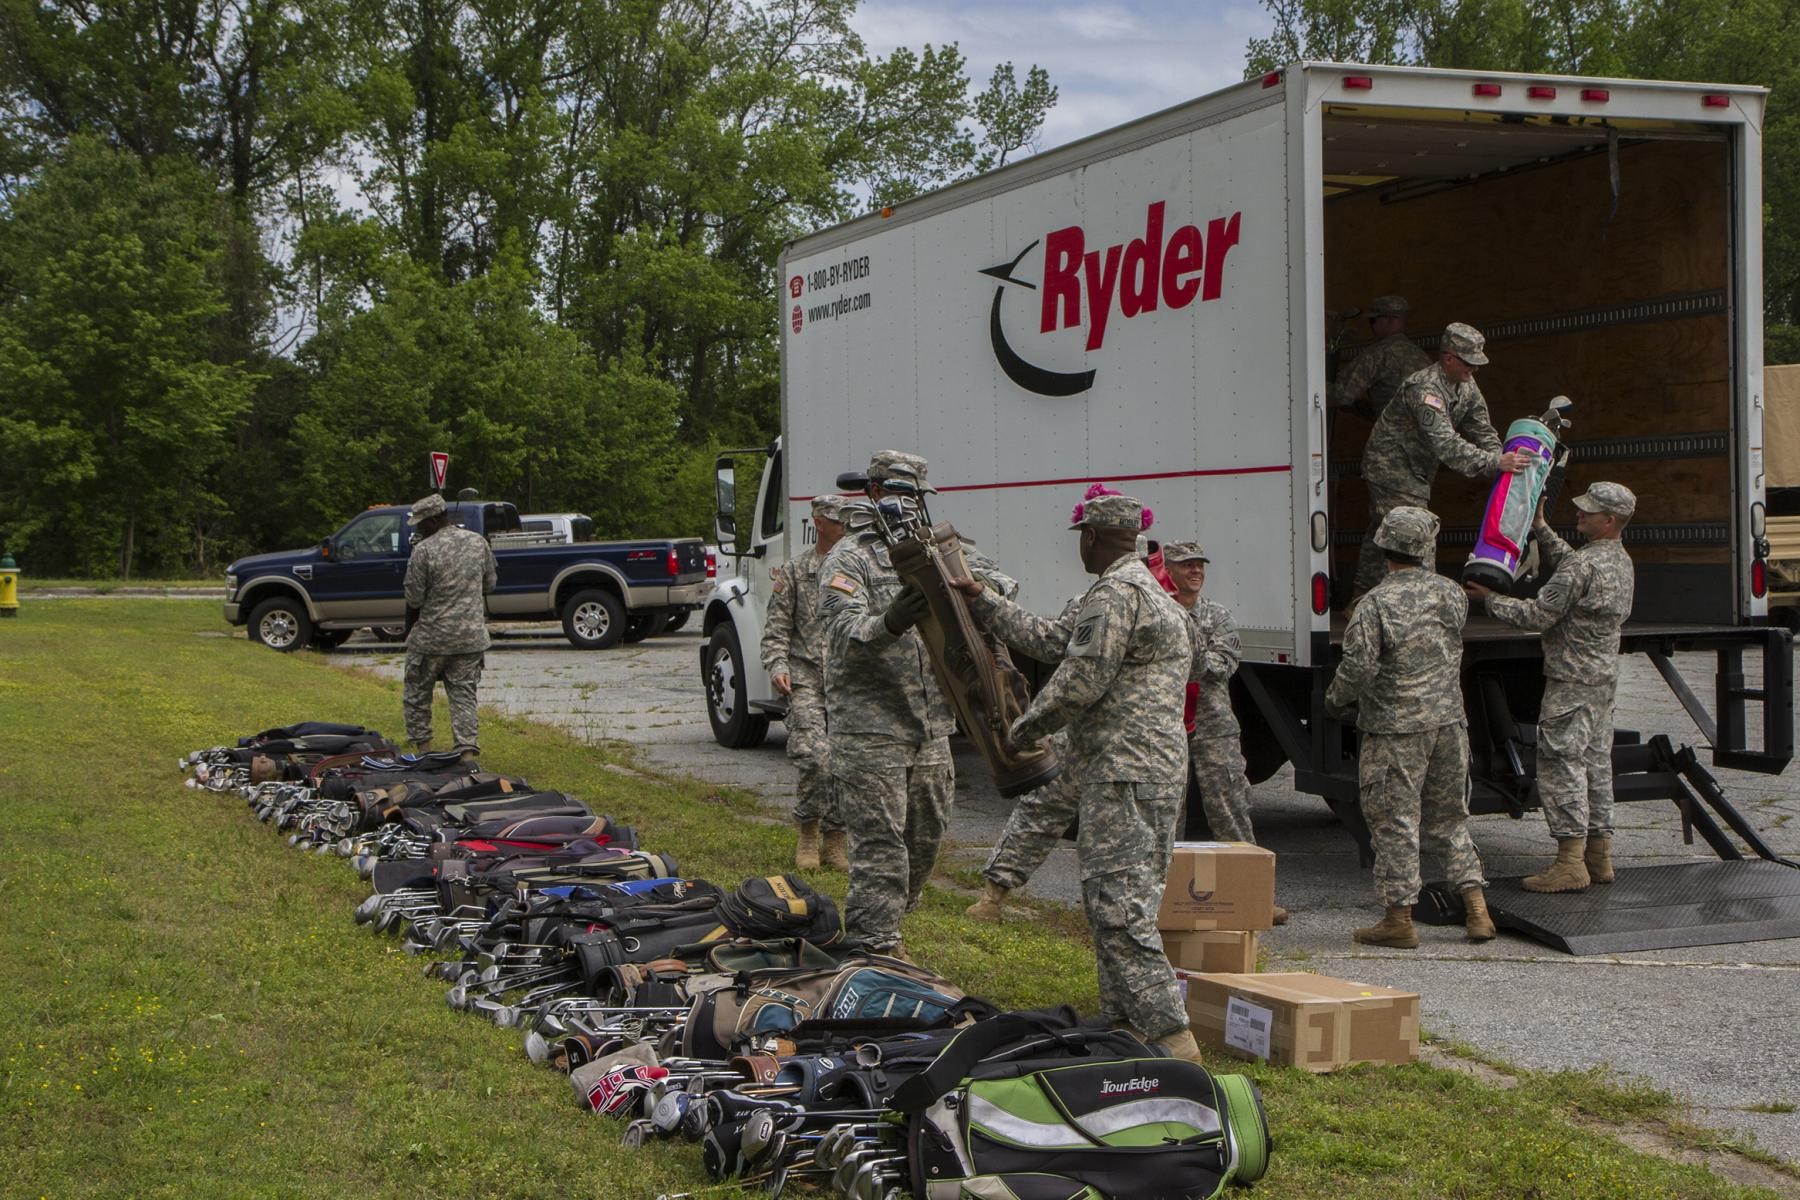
(1219, 885)
(1298, 1019)
(1231, 951)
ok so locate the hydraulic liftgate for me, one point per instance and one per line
(1740, 898)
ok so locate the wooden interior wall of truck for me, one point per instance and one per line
(1644, 286)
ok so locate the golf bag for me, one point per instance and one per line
(782, 906)
(1506, 523)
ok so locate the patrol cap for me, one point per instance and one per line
(1614, 499)
(427, 508)
(1111, 512)
(1174, 552)
(1389, 306)
(826, 508)
(1410, 531)
(889, 467)
(1466, 342)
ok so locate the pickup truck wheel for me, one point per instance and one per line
(734, 724)
(389, 633)
(331, 639)
(281, 624)
(676, 620)
(593, 620)
(640, 626)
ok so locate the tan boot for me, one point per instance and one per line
(1476, 923)
(1597, 857)
(988, 907)
(834, 851)
(1567, 874)
(1280, 915)
(1180, 1045)
(806, 852)
(1395, 929)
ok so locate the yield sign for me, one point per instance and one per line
(440, 466)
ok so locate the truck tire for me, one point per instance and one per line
(330, 639)
(734, 724)
(593, 620)
(388, 633)
(281, 623)
(676, 620)
(639, 626)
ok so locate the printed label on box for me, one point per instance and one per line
(1247, 1026)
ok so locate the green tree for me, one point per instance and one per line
(115, 417)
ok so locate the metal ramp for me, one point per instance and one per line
(1658, 908)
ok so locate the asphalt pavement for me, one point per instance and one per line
(1718, 1026)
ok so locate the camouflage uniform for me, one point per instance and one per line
(1432, 420)
(1401, 669)
(1215, 747)
(1579, 611)
(1379, 370)
(1118, 691)
(448, 579)
(1040, 817)
(793, 644)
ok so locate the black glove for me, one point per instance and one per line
(904, 611)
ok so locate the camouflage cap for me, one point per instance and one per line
(1174, 552)
(827, 508)
(1389, 306)
(427, 508)
(1410, 531)
(895, 466)
(1614, 499)
(1466, 342)
(1111, 512)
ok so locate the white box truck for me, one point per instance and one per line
(1149, 307)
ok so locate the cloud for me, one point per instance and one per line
(1112, 62)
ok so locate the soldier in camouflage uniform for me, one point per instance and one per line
(1438, 416)
(1382, 366)
(448, 579)
(890, 724)
(793, 654)
(1401, 671)
(1579, 612)
(1118, 691)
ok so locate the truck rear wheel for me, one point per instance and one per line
(676, 620)
(735, 726)
(639, 626)
(593, 620)
(281, 623)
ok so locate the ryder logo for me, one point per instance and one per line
(1083, 288)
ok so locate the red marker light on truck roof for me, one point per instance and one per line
(1358, 83)
(1486, 89)
(1715, 100)
(1271, 79)
(1321, 589)
(1541, 91)
(1597, 95)
(1759, 578)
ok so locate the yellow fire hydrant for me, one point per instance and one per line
(9, 587)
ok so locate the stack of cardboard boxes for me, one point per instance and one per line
(1218, 897)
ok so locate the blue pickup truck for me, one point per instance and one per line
(602, 592)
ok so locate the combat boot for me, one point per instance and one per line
(834, 851)
(988, 907)
(1395, 929)
(1567, 874)
(1281, 915)
(1476, 923)
(1598, 858)
(806, 852)
(1180, 1045)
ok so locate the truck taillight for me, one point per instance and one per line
(1759, 579)
(712, 564)
(1321, 589)
(674, 563)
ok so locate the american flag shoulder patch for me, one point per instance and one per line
(1435, 401)
(843, 583)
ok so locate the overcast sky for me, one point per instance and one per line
(1112, 60)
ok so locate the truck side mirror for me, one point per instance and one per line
(725, 505)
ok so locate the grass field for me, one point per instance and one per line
(190, 1011)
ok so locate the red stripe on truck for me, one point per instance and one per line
(1024, 483)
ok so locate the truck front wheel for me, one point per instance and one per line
(281, 624)
(593, 620)
(734, 724)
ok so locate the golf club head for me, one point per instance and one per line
(636, 1134)
(457, 998)
(368, 910)
(364, 865)
(537, 1047)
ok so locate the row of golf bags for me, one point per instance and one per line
(740, 1019)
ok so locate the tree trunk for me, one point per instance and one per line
(125, 547)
